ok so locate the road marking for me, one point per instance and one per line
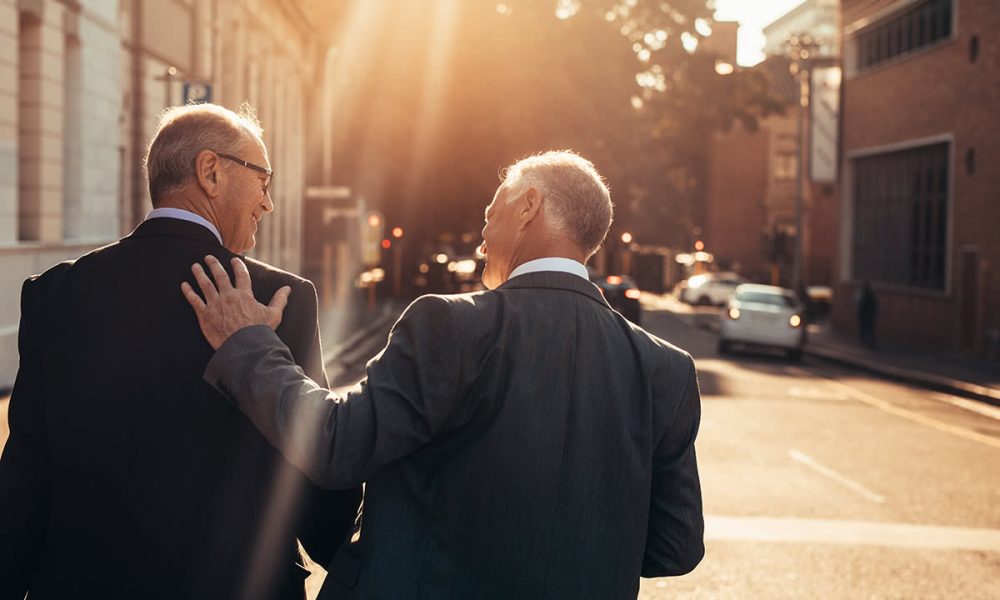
(970, 405)
(814, 394)
(854, 486)
(907, 414)
(852, 533)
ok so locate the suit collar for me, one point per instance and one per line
(174, 228)
(556, 281)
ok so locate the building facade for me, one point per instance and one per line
(919, 210)
(82, 84)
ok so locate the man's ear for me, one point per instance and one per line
(528, 206)
(208, 172)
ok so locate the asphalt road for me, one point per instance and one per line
(821, 482)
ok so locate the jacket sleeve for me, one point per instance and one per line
(339, 441)
(327, 517)
(675, 537)
(24, 472)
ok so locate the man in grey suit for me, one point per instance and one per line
(522, 442)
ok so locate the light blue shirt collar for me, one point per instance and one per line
(563, 265)
(183, 215)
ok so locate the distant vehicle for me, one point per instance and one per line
(764, 315)
(710, 288)
(622, 294)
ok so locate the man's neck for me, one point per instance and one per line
(182, 202)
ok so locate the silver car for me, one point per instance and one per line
(763, 315)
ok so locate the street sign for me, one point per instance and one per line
(197, 92)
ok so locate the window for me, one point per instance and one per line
(785, 166)
(922, 25)
(901, 217)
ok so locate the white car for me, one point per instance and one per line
(710, 288)
(764, 315)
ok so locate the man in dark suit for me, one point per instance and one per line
(125, 476)
(523, 442)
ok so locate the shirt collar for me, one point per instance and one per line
(183, 215)
(554, 263)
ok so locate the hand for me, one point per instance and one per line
(227, 309)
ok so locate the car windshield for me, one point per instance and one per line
(766, 298)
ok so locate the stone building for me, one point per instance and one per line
(919, 211)
(82, 83)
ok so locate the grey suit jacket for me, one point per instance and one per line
(525, 442)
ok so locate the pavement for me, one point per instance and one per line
(951, 372)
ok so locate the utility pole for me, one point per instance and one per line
(800, 49)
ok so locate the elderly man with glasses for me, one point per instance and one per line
(125, 475)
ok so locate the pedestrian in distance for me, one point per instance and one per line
(125, 475)
(526, 441)
(867, 306)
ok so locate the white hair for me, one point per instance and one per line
(184, 131)
(577, 201)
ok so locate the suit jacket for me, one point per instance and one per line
(125, 475)
(526, 442)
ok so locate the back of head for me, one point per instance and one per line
(577, 201)
(183, 132)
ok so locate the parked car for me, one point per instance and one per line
(764, 315)
(622, 294)
(710, 288)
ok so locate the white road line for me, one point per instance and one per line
(852, 533)
(970, 405)
(916, 417)
(854, 486)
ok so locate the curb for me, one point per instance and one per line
(931, 381)
(927, 380)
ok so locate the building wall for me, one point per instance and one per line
(81, 88)
(816, 17)
(59, 170)
(933, 93)
(736, 217)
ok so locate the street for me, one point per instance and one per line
(821, 482)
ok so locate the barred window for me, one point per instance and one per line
(919, 26)
(901, 217)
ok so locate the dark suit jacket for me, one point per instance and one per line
(125, 475)
(527, 442)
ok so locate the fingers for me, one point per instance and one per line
(242, 275)
(219, 274)
(280, 299)
(207, 287)
(192, 297)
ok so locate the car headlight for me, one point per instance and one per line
(634, 294)
(795, 320)
(734, 313)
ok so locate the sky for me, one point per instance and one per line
(752, 15)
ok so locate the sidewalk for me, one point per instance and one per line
(958, 374)
(951, 372)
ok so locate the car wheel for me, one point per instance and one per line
(704, 301)
(723, 347)
(794, 355)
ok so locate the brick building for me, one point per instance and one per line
(81, 86)
(919, 212)
(752, 178)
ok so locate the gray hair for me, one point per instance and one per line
(184, 131)
(577, 200)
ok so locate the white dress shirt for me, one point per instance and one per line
(563, 265)
(183, 215)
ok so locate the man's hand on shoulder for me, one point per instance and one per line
(226, 309)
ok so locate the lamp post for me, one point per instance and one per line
(800, 49)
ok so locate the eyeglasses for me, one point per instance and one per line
(250, 165)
